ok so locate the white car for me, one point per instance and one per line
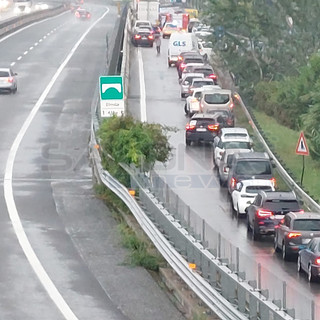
(246, 191)
(186, 81)
(205, 49)
(192, 104)
(8, 80)
(230, 138)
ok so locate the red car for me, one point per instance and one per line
(82, 14)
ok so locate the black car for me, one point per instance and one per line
(82, 14)
(268, 209)
(203, 127)
(295, 232)
(227, 114)
(143, 37)
(309, 259)
(185, 54)
(251, 165)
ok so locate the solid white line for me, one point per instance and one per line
(143, 106)
(9, 198)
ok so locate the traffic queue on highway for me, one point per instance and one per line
(247, 174)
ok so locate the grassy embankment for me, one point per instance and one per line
(284, 143)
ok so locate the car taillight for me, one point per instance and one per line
(150, 37)
(88, 15)
(213, 127)
(190, 127)
(301, 211)
(10, 79)
(225, 169)
(317, 261)
(213, 76)
(180, 58)
(221, 153)
(233, 183)
(182, 65)
(291, 235)
(264, 213)
(137, 36)
(274, 182)
(231, 105)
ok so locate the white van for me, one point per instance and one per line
(181, 42)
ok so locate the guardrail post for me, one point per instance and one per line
(259, 277)
(219, 246)
(188, 218)
(284, 295)
(313, 313)
(166, 196)
(176, 214)
(203, 238)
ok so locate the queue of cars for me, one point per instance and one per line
(247, 174)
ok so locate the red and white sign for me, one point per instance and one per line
(302, 147)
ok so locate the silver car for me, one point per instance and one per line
(186, 81)
(225, 164)
(8, 80)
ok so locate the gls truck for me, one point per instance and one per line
(181, 42)
(148, 10)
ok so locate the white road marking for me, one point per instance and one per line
(26, 52)
(9, 198)
(35, 44)
(31, 48)
(19, 58)
(12, 64)
(143, 106)
(40, 40)
(44, 37)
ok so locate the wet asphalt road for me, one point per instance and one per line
(191, 175)
(70, 231)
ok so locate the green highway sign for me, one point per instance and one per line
(111, 96)
(111, 88)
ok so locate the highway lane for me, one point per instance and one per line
(190, 174)
(49, 170)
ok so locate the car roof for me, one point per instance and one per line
(4, 69)
(221, 91)
(304, 215)
(234, 130)
(253, 155)
(256, 182)
(192, 74)
(277, 195)
(232, 151)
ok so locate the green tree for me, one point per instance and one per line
(133, 142)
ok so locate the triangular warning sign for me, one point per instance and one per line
(302, 147)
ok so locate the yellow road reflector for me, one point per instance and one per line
(132, 192)
(192, 266)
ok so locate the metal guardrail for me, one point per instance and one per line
(13, 24)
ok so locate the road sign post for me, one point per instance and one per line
(302, 149)
(111, 96)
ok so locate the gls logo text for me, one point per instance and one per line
(179, 43)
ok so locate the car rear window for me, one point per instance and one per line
(253, 167)
(193, 60)
(229, 160)
(232, 135)
(4, 74)
(306, 224)
(281, 205)
(256, 189)
(202, 70)
(236, 145)
(203, 122)
(198, 84)
(216, 98)
(197, 95)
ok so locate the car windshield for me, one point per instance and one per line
(169, 25)
(236, 145)
(252, 167)
(306, 225)
(256, 189)
(204, 122)
(281, 205)
(202, 70)
(4, 74)
(216, 98)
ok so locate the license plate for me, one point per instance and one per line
(201, 129)
(279, 216)
(144, 38)
(305, 241)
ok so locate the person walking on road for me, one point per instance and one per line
(157, 41)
